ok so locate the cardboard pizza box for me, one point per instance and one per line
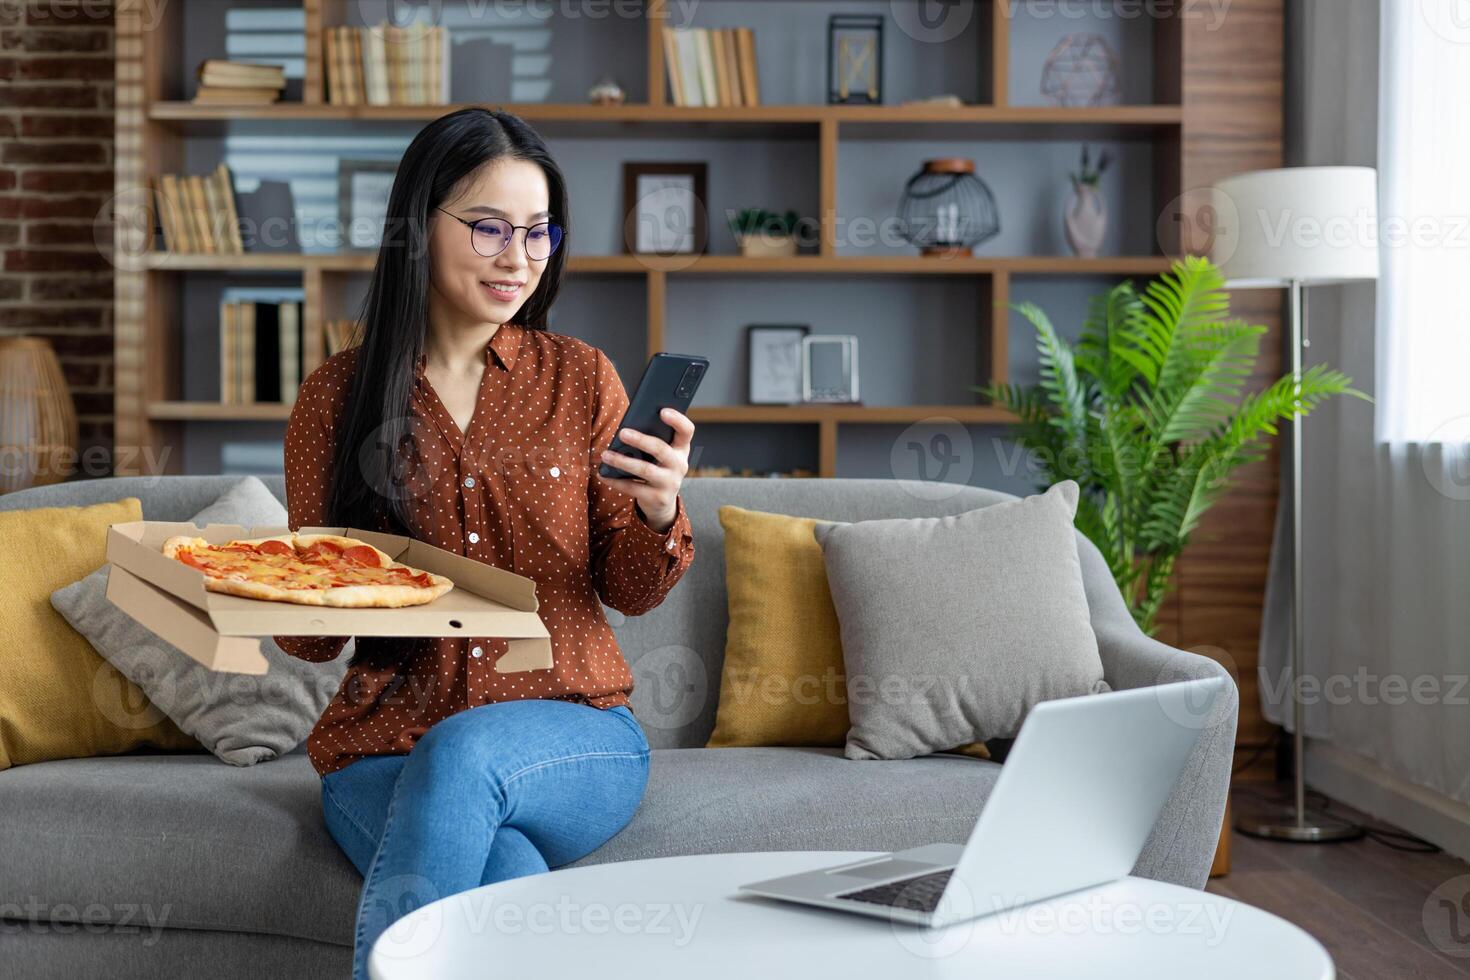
(222, 631)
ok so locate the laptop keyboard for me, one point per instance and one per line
(921, 892)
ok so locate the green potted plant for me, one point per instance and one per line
(1148, 412)
(764, 233)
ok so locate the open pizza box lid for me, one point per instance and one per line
(222, 631)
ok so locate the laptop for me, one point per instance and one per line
(1078, 795)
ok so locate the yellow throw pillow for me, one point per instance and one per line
(783, 681)
(58, 698)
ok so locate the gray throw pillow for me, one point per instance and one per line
(953, 628)
(243, 719)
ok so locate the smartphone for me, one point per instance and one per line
(669, 381)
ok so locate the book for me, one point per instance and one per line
(749, 79)
(689, 66)
(198, 213)
(732, 61)
(264, 364)
(288, 316)
(671, 65)
(722, 71)
(245, 353)
(228, 95)
(375, 66)
(240, 74)
(709, 91)
(227, 392)
(232, 214)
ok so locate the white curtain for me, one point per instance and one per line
(1424, 158)
(1386, 513)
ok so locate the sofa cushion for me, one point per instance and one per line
(198, 845)
(58, 698)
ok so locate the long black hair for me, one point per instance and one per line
(372, 474)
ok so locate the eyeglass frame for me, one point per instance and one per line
(525, 244)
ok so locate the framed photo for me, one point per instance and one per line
(774, 360)
(664, 210)
(362, 200)
(829, 368)
(855, 59)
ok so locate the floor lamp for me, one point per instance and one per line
(1293, 228)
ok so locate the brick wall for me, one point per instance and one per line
(56, 145)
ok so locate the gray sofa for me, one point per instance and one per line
(154, 864)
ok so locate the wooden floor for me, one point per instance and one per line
(1362, 900)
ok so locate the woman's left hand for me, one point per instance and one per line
(656, 488)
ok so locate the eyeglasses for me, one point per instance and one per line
(490, 236)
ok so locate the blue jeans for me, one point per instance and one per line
(490, 793)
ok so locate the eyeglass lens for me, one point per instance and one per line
(491, 235)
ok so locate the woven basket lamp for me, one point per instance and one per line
(38, 422)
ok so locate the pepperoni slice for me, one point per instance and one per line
(193, 561)
(363, 555)
(275, 548)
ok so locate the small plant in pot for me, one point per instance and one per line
(1148, 411)
(765, 233)
(1086, 219)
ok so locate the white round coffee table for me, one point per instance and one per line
(679, 917)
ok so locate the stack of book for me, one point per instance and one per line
(387, 65)
(340, 335)
(198, 213)
(224, 82)
(712, 66)
(260, 351)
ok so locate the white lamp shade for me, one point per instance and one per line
(1312, 225)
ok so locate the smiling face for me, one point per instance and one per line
(467, 286)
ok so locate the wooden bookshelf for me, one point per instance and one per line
(152, 125)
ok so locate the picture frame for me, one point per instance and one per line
(773, 362)
(665, 210)
(855, 59)
(829, 368)
(362, 201)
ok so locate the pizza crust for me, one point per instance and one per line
(343, 596)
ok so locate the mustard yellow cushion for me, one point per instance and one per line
(783, 682)
(58, 698)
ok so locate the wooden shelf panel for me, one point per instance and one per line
(708, 414)
(1122, 265)
(784, 121)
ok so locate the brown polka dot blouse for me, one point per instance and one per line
(518, 490)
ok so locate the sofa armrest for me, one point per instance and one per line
(1182, 846)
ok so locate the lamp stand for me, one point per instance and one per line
(1297, 824)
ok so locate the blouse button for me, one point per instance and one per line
(556, 471)
(477, 652)
(671, 546)
(475, 538)
(469, 483)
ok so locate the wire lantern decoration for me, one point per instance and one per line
(946, 209)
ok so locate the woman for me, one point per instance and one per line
(460, 421)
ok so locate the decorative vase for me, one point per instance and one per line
(38, 422)
(763, 245)
(1086, 220)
